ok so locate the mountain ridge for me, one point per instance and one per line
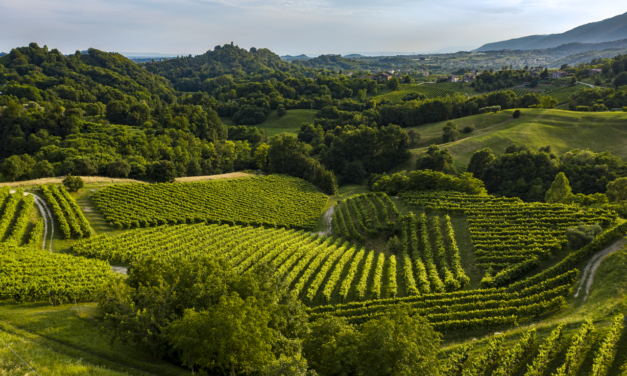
(607, 30)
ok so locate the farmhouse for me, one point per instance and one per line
(526, 84)
(453, 79)
(595, 71)
(382, 76)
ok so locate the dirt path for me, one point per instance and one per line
(120, 269)
(47, 217)
(588, 274)
(583, 83)
(328, 219)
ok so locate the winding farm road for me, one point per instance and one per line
(328, 219)
(588, 274)
(47, 217)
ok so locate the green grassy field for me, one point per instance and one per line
(65, 340)
(289, 123)
(563, 130)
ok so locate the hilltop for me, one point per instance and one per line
(187, 73)
(611, 29)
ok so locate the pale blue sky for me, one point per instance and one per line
(287, 26)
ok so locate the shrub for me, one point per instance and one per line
(451, 133)
(583, 108)
(582, 235)
(281, 111)
(469, 129)
(395, 245)
(486, 110)
(73, 183)
(516, 114)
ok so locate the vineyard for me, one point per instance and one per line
(510, 237)
(34, 275)
(271, 201)
(562, 94)
(67, 212)
(16, 228)
(363, 216)
(556, 355)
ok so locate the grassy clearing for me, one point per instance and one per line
(289, 123)
(563, 130)
(65, 340)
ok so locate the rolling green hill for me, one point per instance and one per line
(563, 130)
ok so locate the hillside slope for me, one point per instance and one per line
(563, 130)
(611, 29)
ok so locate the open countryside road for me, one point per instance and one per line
(594, 263)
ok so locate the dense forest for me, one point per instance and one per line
(98, 113)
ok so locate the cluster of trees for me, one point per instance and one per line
(53, 110)
(207, 317)
(521, 172)
(207, 72)
(39, 144)
(250, 103)
(611, 68)
(354, 152)
(361, 65)
(419, 110)
(425, 180)
(597, 99)
(497, 80)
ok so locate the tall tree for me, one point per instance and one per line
(232, 334)
(560, 191)
(400, 343)
(479, 160)
(617, 190)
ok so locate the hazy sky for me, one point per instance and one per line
(287, 26)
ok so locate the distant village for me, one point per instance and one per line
(465, 78)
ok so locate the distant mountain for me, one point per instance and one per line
(353, 56)
(576, 48)
(611, 29)
(3, 54)
(292, 58)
